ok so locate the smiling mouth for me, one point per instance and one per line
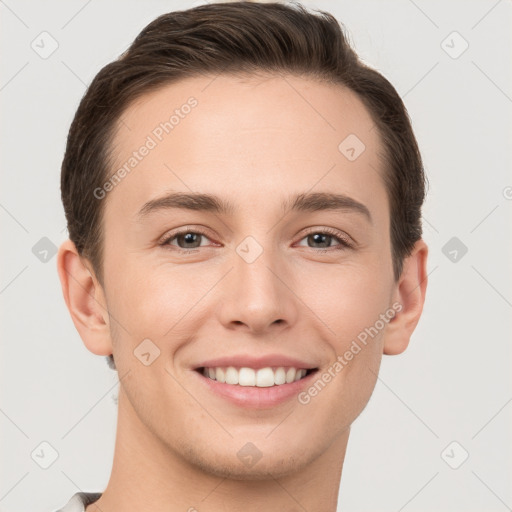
(251, 377)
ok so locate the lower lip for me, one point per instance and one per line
(255, 397)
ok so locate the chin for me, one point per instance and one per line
(230, 464)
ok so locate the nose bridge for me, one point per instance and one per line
(257, 296)
(256, 266)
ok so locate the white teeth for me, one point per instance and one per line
(290, 375)
(231, 375)
(262, 378)
(247, 377)
(279, 376)
(220, 375)
(300, 374)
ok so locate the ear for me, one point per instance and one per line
(410, 294)
(85, 299)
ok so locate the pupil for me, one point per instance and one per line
(190, 237)
(318, 236)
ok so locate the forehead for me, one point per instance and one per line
(247, 139)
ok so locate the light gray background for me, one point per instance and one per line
(453, 382)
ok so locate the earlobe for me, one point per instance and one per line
(410, 294)
(84, 299)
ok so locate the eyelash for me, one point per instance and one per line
(344, 242)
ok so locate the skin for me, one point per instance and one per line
(252, 141)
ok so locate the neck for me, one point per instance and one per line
(147, 475)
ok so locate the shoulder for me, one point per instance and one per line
(79, 501)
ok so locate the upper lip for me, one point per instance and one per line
(244, 360)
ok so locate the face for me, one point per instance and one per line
(267, 282)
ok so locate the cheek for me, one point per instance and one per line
(359, 333)
(150, 302)
(347, 298)
(157, 301)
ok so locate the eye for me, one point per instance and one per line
(325, 236)
(186, 239)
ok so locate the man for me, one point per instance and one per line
(243, 199)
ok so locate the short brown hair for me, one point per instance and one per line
(235, 37)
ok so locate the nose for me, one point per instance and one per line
(258, 296)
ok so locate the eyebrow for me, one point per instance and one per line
(304, 202)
